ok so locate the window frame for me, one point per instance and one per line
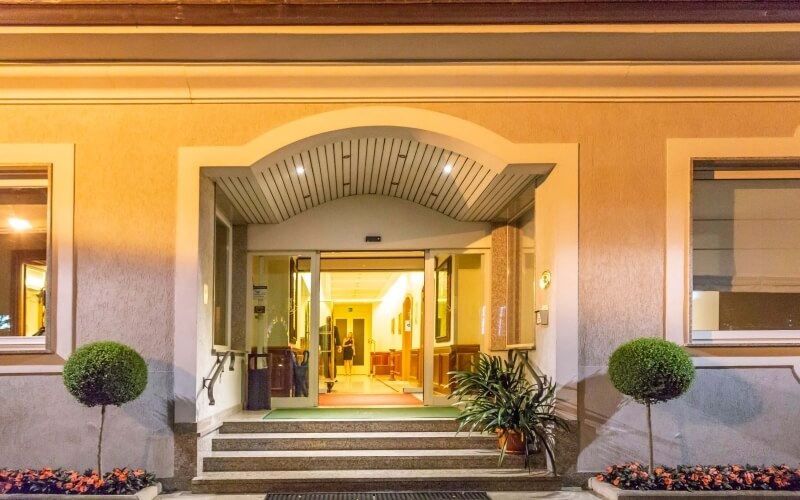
(681, 155)
(48, 354)
(220, 216)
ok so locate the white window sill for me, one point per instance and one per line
(745, 337)
(23, 345)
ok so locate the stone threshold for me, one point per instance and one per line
(610, 492)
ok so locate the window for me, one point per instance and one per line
(36, 257)
(223, 242)
(24, 232)
(745, 252)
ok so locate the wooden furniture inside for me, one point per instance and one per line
(386, 363)
(451, 358)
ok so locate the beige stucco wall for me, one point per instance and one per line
(125, 191)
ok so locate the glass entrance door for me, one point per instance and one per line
(458, 315)
(281, 320)
(371, 341)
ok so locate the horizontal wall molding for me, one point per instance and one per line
(406, 44)
(372, 12)
(287, 83)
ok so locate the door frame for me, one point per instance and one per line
(313, 346)
(431, 399)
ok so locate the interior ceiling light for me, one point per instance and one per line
(448, 168)
(18, 224)
(299, 169)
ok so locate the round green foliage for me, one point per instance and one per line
(651, 370)
(105, 373)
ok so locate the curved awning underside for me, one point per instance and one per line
(442, 180)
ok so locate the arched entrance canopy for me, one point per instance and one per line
(444, 163)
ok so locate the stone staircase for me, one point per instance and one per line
(301, 456)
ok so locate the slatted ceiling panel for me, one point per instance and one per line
(410, 167)
(248, 199)
(444, 180)
(295, 181)
(257, 200)
(311, 184)
(421, 159)
(279, 174)
(423, 175)
(450, 186)
(494, 188)
(366, 152)
(338, 170)
(402, 156)
(324, 172)
(495, 198)
(277, 190)
(392, 167)
(307, 184)
(477, 185)
(457, 187)
(387, 166)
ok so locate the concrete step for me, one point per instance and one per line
(352, 441)
(489, 479)
(297, 425)
(323, 460)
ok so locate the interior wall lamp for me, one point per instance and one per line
(545, 279)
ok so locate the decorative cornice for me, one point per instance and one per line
(398, 83)
(734, 43)
(383, 12)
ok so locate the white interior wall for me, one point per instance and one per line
(390, 308)
(467, 299)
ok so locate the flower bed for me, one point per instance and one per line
(633, 476)
(49, 481)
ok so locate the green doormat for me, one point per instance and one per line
(363, 413)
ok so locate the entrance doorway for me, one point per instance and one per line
(388, 326)
(373, 302)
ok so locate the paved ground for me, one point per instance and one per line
(565, 494)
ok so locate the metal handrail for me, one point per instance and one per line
(219, 367)
(532, 368)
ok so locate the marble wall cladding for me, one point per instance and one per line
(239, 292)
(499, 286)
(731, 415)
(186, 438)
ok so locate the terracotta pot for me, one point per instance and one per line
(516, 442)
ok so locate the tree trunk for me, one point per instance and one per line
(650, 435)
(100, 441)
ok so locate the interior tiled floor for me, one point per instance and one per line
(363, 384)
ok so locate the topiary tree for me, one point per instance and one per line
(651, 371)
(105, 373)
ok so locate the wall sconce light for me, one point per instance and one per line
(545, 279)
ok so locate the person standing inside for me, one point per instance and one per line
(348, 353)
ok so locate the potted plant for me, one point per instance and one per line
(497, 396)
(102, 374)
(651, 371)
(97, 374)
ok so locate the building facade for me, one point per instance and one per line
(650, 170)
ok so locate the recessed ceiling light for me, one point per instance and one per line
(18, 224)
(448, 168)
(299, 169)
